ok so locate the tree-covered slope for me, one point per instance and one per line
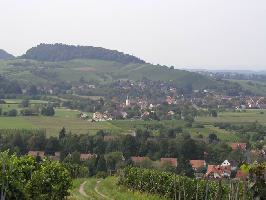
(47, 64)
(61, 52)
(102, 71)
(4, 55)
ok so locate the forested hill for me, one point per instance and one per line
(62, 52)
(4, 55)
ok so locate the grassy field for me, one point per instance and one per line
(15, 123)
(69, 119)
(109, 189)
(63, 118)
(18, 101)
(248, 116)
(222, 134)
(132, 124)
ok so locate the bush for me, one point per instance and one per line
(48, 111)
(101, 175)
(25, 103)
(12, 113)
(29, 112)
(2, 101)
(50, 181)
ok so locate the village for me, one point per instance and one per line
(202, 170)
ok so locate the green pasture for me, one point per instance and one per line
(15, 123)
(133, 124)
(247, 116)
(222, 134)
(18, 101)
(63, 118)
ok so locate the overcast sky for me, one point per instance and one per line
(214, 34)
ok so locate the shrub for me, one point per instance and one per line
(101, 175)
(12, 113)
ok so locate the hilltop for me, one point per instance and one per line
(62, 52)
(48, 64)
(4, 55)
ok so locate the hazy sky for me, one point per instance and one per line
(215, 34)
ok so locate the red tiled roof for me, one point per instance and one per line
(171, 161)
(86, 156)
(236, 146)
(108, 138)
(197, 163)
(36, 153)
(220, 170)
(136, 159)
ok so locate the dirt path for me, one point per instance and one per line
(99, 193)
(82, 191)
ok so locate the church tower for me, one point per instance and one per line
(127, 101)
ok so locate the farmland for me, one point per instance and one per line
(247, 116)
(63, 118)
(69, 119)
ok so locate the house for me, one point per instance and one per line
(97, 116)
(170, 161)
(86, 156)
(169, 100)
(83, 116)
(145, 114)
(217, 171)
(37, 153)
(226, 163)
(124, 114)
(171, 113)
(196, 164)
(213, 172)
(241, 146)
(107, 138)
(56, 156)
(138, 159)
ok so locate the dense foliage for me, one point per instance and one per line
(22, 178)
(9, 87)
(60, 52)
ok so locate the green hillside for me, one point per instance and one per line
(47, 64)
(40, 72)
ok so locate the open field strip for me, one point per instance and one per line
(63, 118)
(236, 117)
(107, 189)
(16, 123)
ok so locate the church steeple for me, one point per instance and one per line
(127, 101)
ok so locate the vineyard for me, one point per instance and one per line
(171, 186)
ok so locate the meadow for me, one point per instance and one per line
(246, 116)
(63, 118)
